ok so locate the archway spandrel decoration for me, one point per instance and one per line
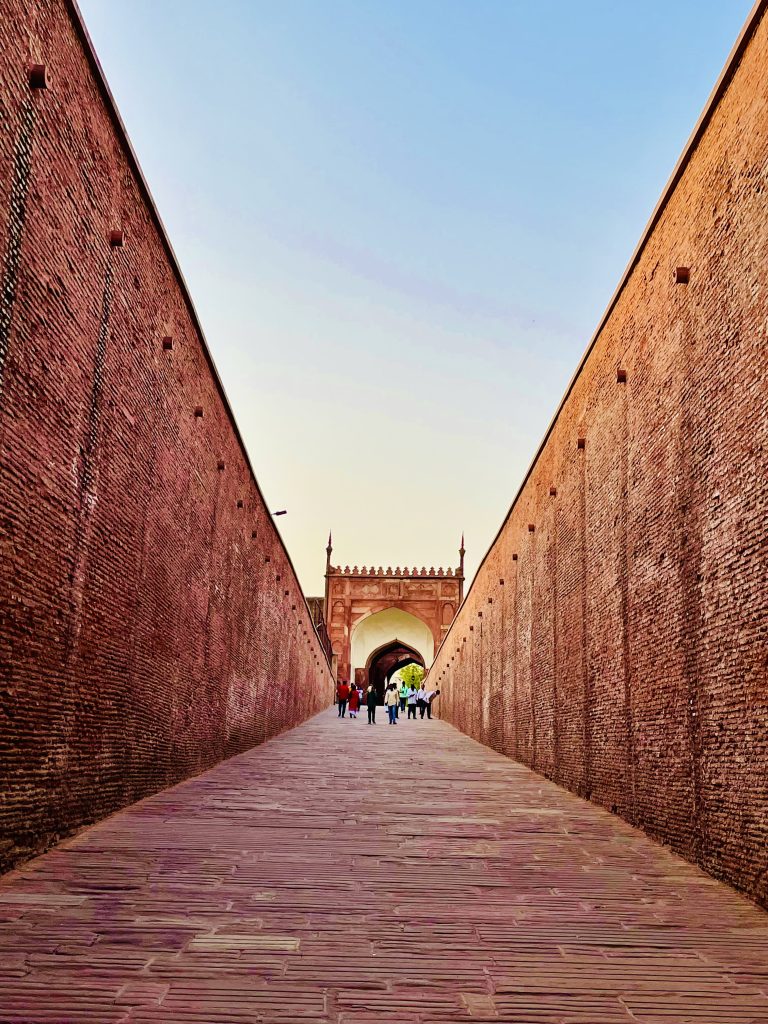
(420, 587)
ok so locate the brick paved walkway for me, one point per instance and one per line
(275, 888)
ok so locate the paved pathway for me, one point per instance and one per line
(451, 885)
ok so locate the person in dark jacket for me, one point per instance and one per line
(370, 702)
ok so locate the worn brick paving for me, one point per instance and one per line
(452, 884)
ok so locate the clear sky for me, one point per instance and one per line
(400, 221)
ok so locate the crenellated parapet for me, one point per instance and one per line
(398, 573)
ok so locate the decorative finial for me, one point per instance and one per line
(328, 551)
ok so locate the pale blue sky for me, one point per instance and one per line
(400, 223)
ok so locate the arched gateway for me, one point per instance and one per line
(380, 620)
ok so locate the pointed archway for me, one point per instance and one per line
(386, 660)
(386, 631)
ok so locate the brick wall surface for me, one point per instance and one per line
(625, 653)
(150, 624)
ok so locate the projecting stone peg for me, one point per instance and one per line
(167, 343)
(267, 559)
(479, 615)
(37, 76)
(239, 502)
(553, 492)
(293, 607)
(501, 583)
(531, 528)
(471, 629)
(621, 376)
(682, 275)
(278, 578)
(253, 535)
(490, 600)
(198, 412)
(581, 443)
(116, 238)
(514, 557)
(285, 593)
(220, 465)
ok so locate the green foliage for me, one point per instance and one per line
(412, 674)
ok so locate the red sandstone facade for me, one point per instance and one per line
(151, 622)
(616, 636)
(351, 595)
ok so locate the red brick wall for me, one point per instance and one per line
(625, 654)
(148, 625)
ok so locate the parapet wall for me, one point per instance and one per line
(615, 638)
(151, 622)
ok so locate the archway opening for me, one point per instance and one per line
(387, 660)
(382, 630)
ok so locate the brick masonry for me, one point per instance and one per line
(151, 622)
(615, 636)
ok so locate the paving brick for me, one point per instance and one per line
(269, 889)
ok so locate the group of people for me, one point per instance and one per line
(396, 700)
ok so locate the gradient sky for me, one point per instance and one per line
(400, 222)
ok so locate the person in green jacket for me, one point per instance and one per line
(403, 695)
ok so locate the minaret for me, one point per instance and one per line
(328, 551)
(461, 568)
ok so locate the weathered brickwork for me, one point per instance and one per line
(151, 622)
(616, 636)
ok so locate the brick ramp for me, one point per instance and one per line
(452, 885)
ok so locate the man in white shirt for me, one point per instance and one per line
(421, 700)
(429, 696)
(412, 701)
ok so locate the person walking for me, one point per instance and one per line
(421, 700)
(403, 694)
(411, 701)
(370, 703)
(429, 697)
(342, 696)
(354, 702)
(392, 700)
